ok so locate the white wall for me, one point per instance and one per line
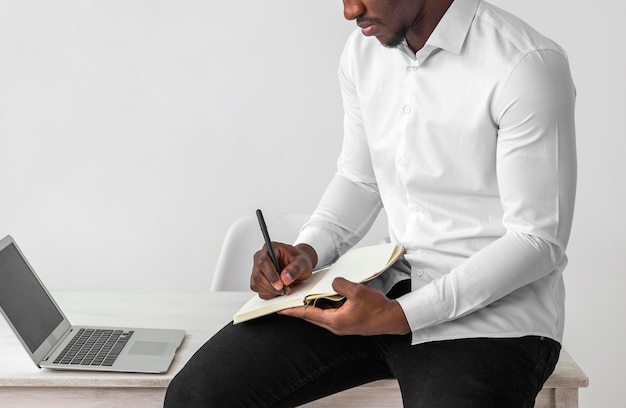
(132, 133)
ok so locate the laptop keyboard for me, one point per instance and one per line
(94, 347)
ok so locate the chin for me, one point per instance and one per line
(393, 43)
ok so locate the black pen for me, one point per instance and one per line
(270, 248)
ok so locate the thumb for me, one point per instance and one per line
(344, 287)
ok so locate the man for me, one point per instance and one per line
(459, 121)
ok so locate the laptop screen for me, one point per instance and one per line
(24, 301)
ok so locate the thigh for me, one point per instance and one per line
(273, 362)
(474, 373)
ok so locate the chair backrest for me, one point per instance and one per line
(243, 239)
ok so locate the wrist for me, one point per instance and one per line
(310, 253)
(400, 325)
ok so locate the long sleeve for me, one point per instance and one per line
(536, 170)
(343, 216)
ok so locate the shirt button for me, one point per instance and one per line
(401, 162)
(407, 109)
(420, 272)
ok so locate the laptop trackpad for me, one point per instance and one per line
(148, 348)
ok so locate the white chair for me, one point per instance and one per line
(243, 239)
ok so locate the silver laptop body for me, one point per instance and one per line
(45, 332)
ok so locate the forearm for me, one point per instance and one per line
(343, 216)
(507, 264)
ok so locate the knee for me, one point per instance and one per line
(179, 393)
(193, 387)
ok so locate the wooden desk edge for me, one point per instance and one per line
(567, 374)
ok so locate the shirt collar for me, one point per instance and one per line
(453, 27)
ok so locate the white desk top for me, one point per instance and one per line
(201, 315)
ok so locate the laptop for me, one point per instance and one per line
(52, 342)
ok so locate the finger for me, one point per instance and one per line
(260, 284)
(294, 272)
(345, 288)
(312, 314)
(268, 270)
(319, 317)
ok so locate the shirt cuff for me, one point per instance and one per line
(321, 242)
(422, 307)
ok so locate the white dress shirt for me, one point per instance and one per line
(469, 145)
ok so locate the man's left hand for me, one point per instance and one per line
(366, 311)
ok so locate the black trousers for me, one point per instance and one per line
(278, 361)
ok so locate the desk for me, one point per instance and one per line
(22, 384)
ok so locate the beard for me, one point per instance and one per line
(398, 37)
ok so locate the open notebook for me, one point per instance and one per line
(357, 265)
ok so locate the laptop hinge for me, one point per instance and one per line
(58, 344)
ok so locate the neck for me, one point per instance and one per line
(425, 23)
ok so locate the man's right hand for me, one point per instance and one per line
(297, 264)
